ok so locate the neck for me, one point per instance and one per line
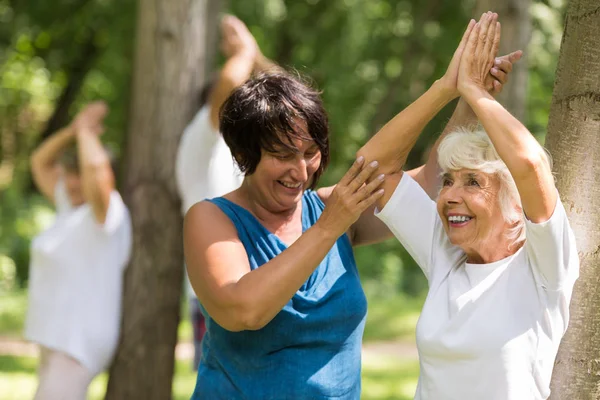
(492, 252)
(265, 210)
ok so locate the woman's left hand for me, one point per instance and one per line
(499, 73)
(479, 54)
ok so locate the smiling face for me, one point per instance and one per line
(469, 208)
(282, 175)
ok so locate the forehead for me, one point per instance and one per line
(299, 139)
(465, 173)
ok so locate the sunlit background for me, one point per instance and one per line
(370, 59)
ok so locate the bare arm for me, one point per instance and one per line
(241, 51)
(391, 145)
(44, 161)
(427, 175)
(97, 180)
(242, 299)
(264, 64)
(520, 151)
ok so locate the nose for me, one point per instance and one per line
(300, 170)
(452, 195)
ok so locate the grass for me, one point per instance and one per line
(392, 317)
(13, 305)
(384, 377)
(18, 380)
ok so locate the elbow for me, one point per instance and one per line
(239, 321)
(535, 162)
(246, 317)
(252, 321)
(251, 317)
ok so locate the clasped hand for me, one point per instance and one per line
(474, 63)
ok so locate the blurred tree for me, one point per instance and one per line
(168, 73)
(516, 32)
(572, 139)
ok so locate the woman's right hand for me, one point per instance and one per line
(357, 190)
(479, 54)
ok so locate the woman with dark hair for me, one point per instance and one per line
(293, 327)
(275, 273)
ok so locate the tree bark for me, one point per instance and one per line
(573, 134)
(169, 70)
(516, 33)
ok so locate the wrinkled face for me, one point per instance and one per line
(282, 176)
(73, 186)
(469, 207)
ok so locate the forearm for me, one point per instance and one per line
(263, 64)
(391, 145)
(48, 153)
(523, 155)
(429, 176)
(512, 140)
(97, 180)
(263, 292)
(235, 72)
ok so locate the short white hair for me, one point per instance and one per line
(471, 148)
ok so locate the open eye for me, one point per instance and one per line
(446, 182)
(473, 182)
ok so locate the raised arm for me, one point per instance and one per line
(523, 155)
(241, 50)
(391, 145)
(44, 160)
(97, 179)
(428, 175)
(242, 299)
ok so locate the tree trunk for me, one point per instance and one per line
(573, 141)
(169, 70)
(516, 33)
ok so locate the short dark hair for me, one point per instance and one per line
(262, 115)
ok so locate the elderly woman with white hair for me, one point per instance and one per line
(497, 249)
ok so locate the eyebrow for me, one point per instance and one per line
(446, 175)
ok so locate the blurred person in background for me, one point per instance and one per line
(204, 164)
(77, 265)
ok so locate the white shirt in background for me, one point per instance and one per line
(75, 281)
(204, 167)
(486, 331)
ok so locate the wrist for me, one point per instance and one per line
(325, 232)
(445, 92)
(472, 92)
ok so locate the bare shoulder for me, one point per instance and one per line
(205, 222)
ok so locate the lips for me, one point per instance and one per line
(289, 185)
(458, 220)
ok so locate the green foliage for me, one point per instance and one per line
(370, 58)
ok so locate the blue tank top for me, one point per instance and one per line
(312, 349)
